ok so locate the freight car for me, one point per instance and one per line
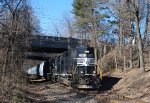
(75, 68)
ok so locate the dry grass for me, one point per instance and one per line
(134, 85)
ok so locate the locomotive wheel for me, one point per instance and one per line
(54, 79)
(48, 77)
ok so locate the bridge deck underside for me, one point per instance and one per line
(44, 50)
(40, 56)
(49, 46)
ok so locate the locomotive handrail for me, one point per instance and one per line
(64, 53)
(100, 73)
(73, 70)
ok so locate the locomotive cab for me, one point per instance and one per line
(86, 70)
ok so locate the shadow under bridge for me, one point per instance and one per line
(47, 47)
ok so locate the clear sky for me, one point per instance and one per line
(50, 12)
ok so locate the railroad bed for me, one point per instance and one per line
(49, 92)
(57, 93)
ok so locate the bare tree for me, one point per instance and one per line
(123, 18)
(57, 30)
(16, 29)
(146, 38)
(69, 23)
(137, 9)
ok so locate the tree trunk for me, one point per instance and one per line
(4, 73)
(146, 25)
(120, 37)
(137, 20)
(130, 58)
(124, 62)
(139, 44)
(116, 60)
(104, 49)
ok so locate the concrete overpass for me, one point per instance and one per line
(46, 47)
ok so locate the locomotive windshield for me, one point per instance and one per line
(86, 55)
(85, 52)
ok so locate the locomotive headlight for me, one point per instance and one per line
(86, 51)
(94, 73)
(82, 73)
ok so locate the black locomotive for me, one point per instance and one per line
(74, 67)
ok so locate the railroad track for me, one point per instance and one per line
(43, 82)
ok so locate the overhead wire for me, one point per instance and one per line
(41, 16)
(47, 16)
(51, 18)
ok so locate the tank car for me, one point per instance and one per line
(41, 70)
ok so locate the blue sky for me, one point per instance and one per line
(50, 12)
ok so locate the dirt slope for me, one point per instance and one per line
(133, 85)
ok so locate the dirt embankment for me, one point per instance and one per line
(133, 85)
